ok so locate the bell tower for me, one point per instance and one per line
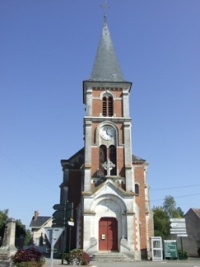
(107, 123)
(112, 214)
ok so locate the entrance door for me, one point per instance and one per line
(108, 237)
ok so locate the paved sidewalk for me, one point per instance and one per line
(57, 263)
(194, 262)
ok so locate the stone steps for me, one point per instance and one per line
(111, 257)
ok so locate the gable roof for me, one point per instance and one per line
(110, 183)
(197, 212)
(39, 222)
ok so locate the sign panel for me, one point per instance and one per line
(58, 214)
(177, 220)
(53, 233)
(182, 235)
(70, 223)
(178, 225)
(59, 206)
(62, 206)
(170, 249)
(178, 232)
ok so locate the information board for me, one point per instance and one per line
(170, 249)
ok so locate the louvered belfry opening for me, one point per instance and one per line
(107, 106)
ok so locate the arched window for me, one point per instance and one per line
(102, 158)
(107, 106)
(112, 156)
(137, 190)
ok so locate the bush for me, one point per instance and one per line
(183, 255)
(30, 257)
(77, 257)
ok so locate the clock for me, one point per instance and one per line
(107, 132)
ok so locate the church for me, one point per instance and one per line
(105, 183)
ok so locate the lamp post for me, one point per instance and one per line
(63, 218)
(64, 232)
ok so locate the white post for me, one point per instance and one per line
(52, 247)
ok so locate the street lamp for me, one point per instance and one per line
(64, 232)
(65, 191)
(63, 217)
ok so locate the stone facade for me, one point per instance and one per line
(105, 181)
(191, 244)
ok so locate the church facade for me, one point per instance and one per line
(106, 183)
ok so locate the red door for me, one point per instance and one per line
(108, 237)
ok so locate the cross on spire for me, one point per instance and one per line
(105, 7)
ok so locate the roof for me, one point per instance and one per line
(40, 221)
(136, 159)
(197, 212)
(106, 66)
(108, 181)
(77, 160)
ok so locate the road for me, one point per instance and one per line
(177, 263)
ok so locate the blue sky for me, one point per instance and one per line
(47, 49)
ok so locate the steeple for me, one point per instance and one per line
(106, 66)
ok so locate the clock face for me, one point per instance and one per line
(107, 132)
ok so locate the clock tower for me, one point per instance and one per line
(104, 180)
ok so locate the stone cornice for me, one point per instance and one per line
(113, 119)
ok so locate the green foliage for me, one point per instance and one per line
(20, 228)
(183, 255)
(28, 237)
(169, 206)
(3, 219)
(180, 212)
(30, 257)
(161, 222)
(77, 257)
(163, 214)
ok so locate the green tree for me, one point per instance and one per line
(27, 237)
(20, 228)
(169, 206)
(180, 212)
(161, 222)
(162, 215)
(3, 219)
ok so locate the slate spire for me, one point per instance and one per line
(106, 66)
